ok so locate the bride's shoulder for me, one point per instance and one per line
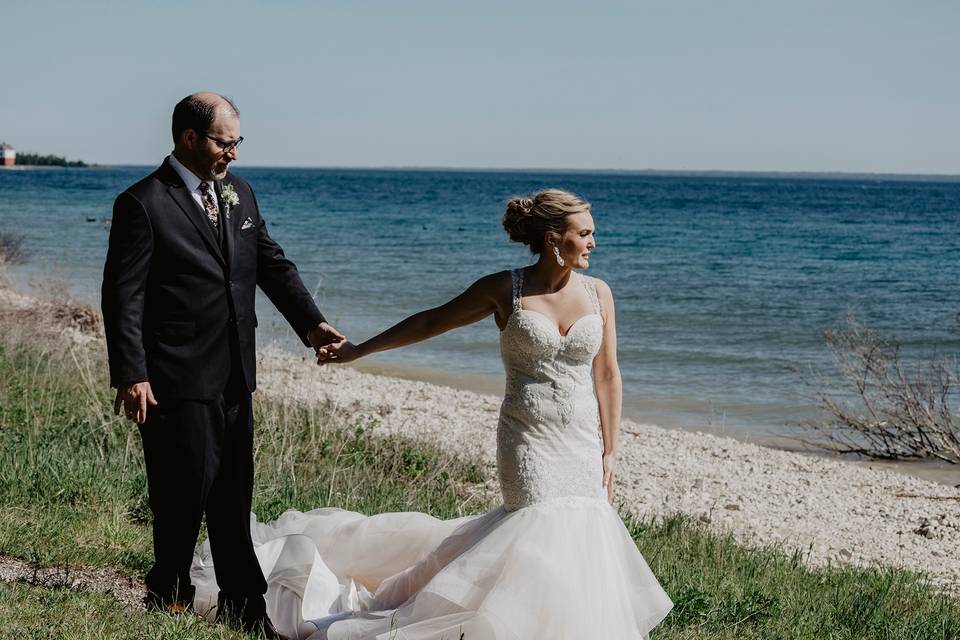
(597, 282)
(497, 282)
(497, 278)
(493, 284)
(604, 293)
(496, 289)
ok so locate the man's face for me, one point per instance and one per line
(210, 158)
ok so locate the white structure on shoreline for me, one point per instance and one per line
(8, 155)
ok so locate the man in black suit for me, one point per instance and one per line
(187, 250)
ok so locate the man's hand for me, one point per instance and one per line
(340, 353)
(135, 399)
(323, 335)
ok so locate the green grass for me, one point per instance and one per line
(72, 484)
(30, 613)
(722, 590)
(72, 491)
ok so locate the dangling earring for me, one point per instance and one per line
(556, 252)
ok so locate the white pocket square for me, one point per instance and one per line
(247, 224)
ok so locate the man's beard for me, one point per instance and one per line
(218, 174)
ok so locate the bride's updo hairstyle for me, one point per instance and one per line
(527, 219)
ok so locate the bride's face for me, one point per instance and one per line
(578, 240)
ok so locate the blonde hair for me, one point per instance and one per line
(528, 219)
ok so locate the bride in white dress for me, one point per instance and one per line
(554, 560)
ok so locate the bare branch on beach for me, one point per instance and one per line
(879, 407)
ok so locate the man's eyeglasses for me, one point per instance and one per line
(226, 146)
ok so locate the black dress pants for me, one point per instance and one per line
(199, 459)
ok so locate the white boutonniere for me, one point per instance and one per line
(229, 196)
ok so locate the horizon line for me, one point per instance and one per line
(572, 170)
(568, 170)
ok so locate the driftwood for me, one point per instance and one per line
(879, 407)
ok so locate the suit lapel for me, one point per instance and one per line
(185, 201)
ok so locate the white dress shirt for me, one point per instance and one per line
(192, 183)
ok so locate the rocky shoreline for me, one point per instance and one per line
(831, 510)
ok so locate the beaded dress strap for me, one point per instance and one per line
(591, 286)
(516, 277)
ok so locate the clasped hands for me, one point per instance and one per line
(331, 346)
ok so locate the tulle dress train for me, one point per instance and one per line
(554, 561)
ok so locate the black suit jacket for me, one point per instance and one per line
(174, 300)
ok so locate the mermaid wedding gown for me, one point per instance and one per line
(554, 561)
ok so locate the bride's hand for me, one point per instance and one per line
(338, 353)
(609, 463)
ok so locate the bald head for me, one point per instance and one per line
(199, 111)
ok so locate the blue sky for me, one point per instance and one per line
(737, 85)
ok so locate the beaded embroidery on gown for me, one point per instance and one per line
(554, 561)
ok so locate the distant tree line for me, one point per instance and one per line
(36, 159)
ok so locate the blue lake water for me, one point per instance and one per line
(724, 284)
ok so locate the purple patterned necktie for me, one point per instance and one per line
(209, 203)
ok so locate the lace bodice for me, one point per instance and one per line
(548, 438)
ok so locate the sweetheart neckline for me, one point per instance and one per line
(556, 328)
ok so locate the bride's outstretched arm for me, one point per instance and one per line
(609, 386)
(476, 303)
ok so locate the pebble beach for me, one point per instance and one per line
(831, 510)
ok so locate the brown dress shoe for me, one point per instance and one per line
(172, 606)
